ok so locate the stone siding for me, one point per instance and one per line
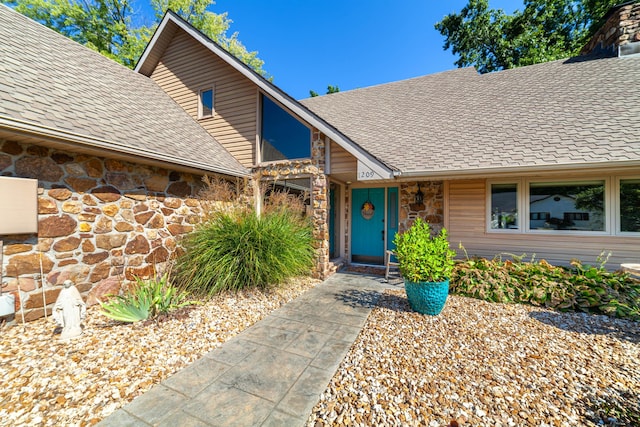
(622, 27)
(432, 208)
(347, 223)
(313, 168)
(100, 221)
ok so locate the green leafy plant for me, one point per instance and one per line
(424, 257)
(586, 288)
(235, 250)
(146, 299)
(128, 308)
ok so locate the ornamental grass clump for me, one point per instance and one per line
(234, 250)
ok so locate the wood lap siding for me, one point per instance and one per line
(466, 209)
(185, 68)
(467, 224)
(341, 160)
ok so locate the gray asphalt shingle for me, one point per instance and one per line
(566, 112)
(50, 81)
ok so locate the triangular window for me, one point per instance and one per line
(283, 137)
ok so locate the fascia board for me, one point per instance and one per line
(521, 170)
(153, 41)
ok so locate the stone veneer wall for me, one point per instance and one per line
(347, 224)
(431, 210)
(100, 220)
(315, 169)
(622, 27)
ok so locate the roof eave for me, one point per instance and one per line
(269, 88)
(59, 135)
(519, 170)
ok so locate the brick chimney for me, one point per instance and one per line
(620, 34)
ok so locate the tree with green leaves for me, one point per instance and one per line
(330, 89)
(107, 26)
(545, 30)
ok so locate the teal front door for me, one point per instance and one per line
(372, 230)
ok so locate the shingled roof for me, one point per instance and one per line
(55, 88)
(561, 114)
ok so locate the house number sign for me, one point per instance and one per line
(365, 173)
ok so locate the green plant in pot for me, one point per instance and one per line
(426, 262)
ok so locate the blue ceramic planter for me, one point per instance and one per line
(427, 297)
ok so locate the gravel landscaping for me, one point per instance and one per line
(478, 363)
(49, 382)
(484, 364)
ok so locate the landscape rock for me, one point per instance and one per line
(99, 292)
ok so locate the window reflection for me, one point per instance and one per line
(630, 205)
(567, 206)
(504, 206)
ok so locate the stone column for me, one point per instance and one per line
(319, 200)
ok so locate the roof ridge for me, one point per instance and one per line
(457, 71)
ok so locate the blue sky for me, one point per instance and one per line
(309, 44)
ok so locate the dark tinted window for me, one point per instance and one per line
(283, 137)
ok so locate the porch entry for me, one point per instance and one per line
(374, 223)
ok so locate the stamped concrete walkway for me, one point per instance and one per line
(272, 373)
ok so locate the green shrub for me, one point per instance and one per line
(146, 299)
(235, 250)
(581, 288)
(423, 257)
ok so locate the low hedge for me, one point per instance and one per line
(578, 288)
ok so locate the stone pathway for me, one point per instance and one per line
(271, 374)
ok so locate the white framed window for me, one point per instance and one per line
(628, 205)
(504, 206)
(571, 207)
(205, 103)
(600, 206)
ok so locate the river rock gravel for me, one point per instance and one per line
(477, 363)
(485, 364)
(49, 382)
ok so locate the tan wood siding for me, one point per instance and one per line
(341, 160)
(161, 44)
(467, 225)
(186, 67)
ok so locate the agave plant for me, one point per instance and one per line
(129, 308)
(146, 299)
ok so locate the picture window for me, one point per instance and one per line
(629, 200)
(572, 206)
(283, 137)
(607, 206)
